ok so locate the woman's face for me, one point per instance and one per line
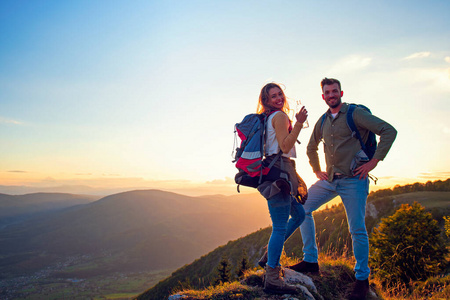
(276, 98)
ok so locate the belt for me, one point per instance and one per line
(339, 176)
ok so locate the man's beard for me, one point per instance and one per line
(338, 102)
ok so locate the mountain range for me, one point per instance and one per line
(63, 237)
(130, 231)
(331, 232)
(17, 208)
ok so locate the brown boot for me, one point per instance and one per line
(274, 284)
(360, 290)
(263, 260)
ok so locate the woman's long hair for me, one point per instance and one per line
(263, 106)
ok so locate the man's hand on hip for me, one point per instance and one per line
(321, 175)
(364, 170)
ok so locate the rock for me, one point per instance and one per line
(371, 210)
(294, 277)
(306, 292)
(304, 284)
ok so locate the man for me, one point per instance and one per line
(351, 185)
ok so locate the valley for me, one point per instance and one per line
(119, 244)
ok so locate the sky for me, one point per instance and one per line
(101, 96)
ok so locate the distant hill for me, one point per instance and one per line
(332, 236)
(17, 208)
(130, 231)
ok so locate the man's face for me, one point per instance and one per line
(332, 95)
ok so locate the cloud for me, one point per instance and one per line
(49, 179)
(417, 55)
(111, 181)
(107, 186)
(434, 175)
(433, 79)
(447, 59)
(225, 181)
(9, 121)
(351, 64)
(387, 177)
(17, 171)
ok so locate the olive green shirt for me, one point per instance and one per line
(339, 145)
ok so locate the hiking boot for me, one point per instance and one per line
(359, 290)
(263, 260)
(274, 284)
(305, 267)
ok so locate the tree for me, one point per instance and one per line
(447, 225)
(407, 246)
(224, 270)
(244, 264)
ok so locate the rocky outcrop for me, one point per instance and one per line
(371, 210)
(252, 284)
(305, 285)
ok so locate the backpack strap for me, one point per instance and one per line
(263, 149)
(351, 124)
(324, 116)
(275, 159)
(285, 175)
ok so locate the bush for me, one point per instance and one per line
(407, 246)
(447, 225)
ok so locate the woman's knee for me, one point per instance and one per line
(279, 228)
(299, 217)
(297, 210)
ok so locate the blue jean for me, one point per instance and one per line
(281, 206)
(353, 192)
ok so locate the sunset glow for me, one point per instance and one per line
(97, 97)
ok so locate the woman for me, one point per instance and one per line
(284, 198)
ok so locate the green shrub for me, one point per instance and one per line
(407, 246)
(447, 225)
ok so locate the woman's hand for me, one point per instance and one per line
(302, 115)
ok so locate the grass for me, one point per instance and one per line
(426, 199)
(228, 290)
(335, 281)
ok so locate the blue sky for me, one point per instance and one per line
(146, 93)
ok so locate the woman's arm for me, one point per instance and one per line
(285, 139)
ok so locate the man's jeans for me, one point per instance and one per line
(353, 193)
(280, 207)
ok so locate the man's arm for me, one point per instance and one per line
(380, 127)
(312, 151)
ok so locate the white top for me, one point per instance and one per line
(272, 146)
